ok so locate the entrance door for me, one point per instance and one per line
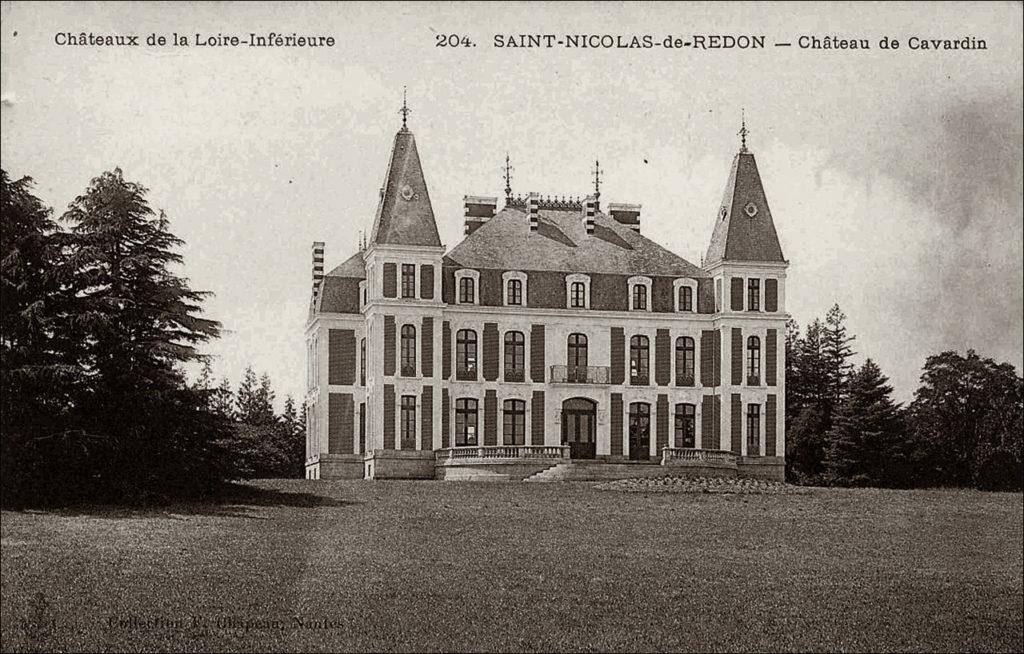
(639, 431)
(579, 428)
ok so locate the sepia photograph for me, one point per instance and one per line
(506, 327)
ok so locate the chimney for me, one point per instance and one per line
(626, 214)
(318, 265)
(534, 204)
(478, 211)
(589, 213)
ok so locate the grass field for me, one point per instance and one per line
(416, 566)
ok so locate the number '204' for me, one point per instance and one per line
(453, 41)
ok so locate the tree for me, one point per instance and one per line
(836, 352)
(294, 431)
(255, 400)
(810, 415)
(866, 432)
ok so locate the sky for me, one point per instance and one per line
(894, 177)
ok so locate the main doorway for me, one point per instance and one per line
(579, 427)
(639, 431)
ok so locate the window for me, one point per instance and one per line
(408, 280)
(467, 290)
(686, 425)
(362, 362)
(753, 429)
(465, 355)
(639, 297)
(639, 349)
(515, 422)
(578, 295)
(686, 298)
(577, 358)
(515, 357)
(753, 294)
(408, 422)
(515, 292)
(685, 356)
(465, 422)
(408, 351)
(753, 361)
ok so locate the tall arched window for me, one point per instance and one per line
(753, 361)
(639, 359)
(576, 359)
(465, 355)
(578, 295)
(685, 360)
(686, 425)
(639, 297)
(465, 422)
(515, 292)
(514, 422)
(467, 290)
(408, 351)
(515, 356)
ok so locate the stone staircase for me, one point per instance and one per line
(597, 471)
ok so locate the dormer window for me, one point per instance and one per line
(466, 286)
(639, 293)
(686, 295)
(577, 289)
(515, 288)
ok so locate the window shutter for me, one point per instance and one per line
(616, 424)
(769, 426)
(427, 419)
(537, 418)
(490, 418)
(390, 280)
(662, 433)
(389, 416)
(708, 438)
(341, 356)
(446, 426)
(490, 362)
(618, 355)
(427, 281)
(340, 423)
(737, 423)
(737, 356)
(389, 345)
(770, 353)
(662, 360)
(446, 350)
(427, 347)
(736, 294)
(537, 353)
(707, 358)
(771, 294)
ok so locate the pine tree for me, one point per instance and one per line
(836, 351)
(222, 402)
(255, 399)
(865, 431)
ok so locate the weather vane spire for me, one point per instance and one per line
(597, 179)
(405, 111)
(743, 130)
(508, 179)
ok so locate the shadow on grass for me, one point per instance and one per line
(238, 500)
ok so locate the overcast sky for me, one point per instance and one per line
(894, 177)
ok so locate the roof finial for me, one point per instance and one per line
(597, 179)
(405, 111)
(508, 179)
(743, 130)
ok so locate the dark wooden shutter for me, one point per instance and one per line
(341, 356)
(427, 347)
(662, 357)
(362, 428)
(769, 426)
(490, 418)
(616, 420)
(537, 418)
(737, 356)
(446, 425)
(446, 350)
(390, 280)
(340, 423)
(770, 353)
(537, 353)
(718, 359)
(427, 282)
(662, 295)
(707, 357)
(708, 439)
(389, 416)
(662, 429)
(427, 418)
(737, 423)
(389, 345)
(771, 294)
(490, 358)
(618, 355)
(736, 294)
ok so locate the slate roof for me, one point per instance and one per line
(738, 236)
(561, 243)
(352, 267)
(404, 214)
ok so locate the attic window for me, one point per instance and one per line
(750, 209)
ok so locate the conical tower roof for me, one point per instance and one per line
(404, 214)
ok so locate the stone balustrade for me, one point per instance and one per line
(693, 455)
(503, 452)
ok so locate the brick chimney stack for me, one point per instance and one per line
(318, 265)
(626, 214)
(590, 213)
(478, 211)
(534, 203)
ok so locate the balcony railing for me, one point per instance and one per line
(684, 455)
(466, 373)
(515, 374)
(503, 452)
(408, 371)
(684, 380)
(753, 380)
(580, 375)
(638, 379)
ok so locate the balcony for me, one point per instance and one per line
(408, 371)
(691, 456)
(753, 380)
(466, 373)
(580, 375)
(684, 380)
(517, 374)
(639, 379)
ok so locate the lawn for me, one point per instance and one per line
(318, 565)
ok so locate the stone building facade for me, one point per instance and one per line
(554, 333)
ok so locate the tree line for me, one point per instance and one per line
(97, 330)
(964, 427)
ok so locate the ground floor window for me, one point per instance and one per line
(515, 422)
(408, 422)
(686, 425)
(465, 422)
(753, 429)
